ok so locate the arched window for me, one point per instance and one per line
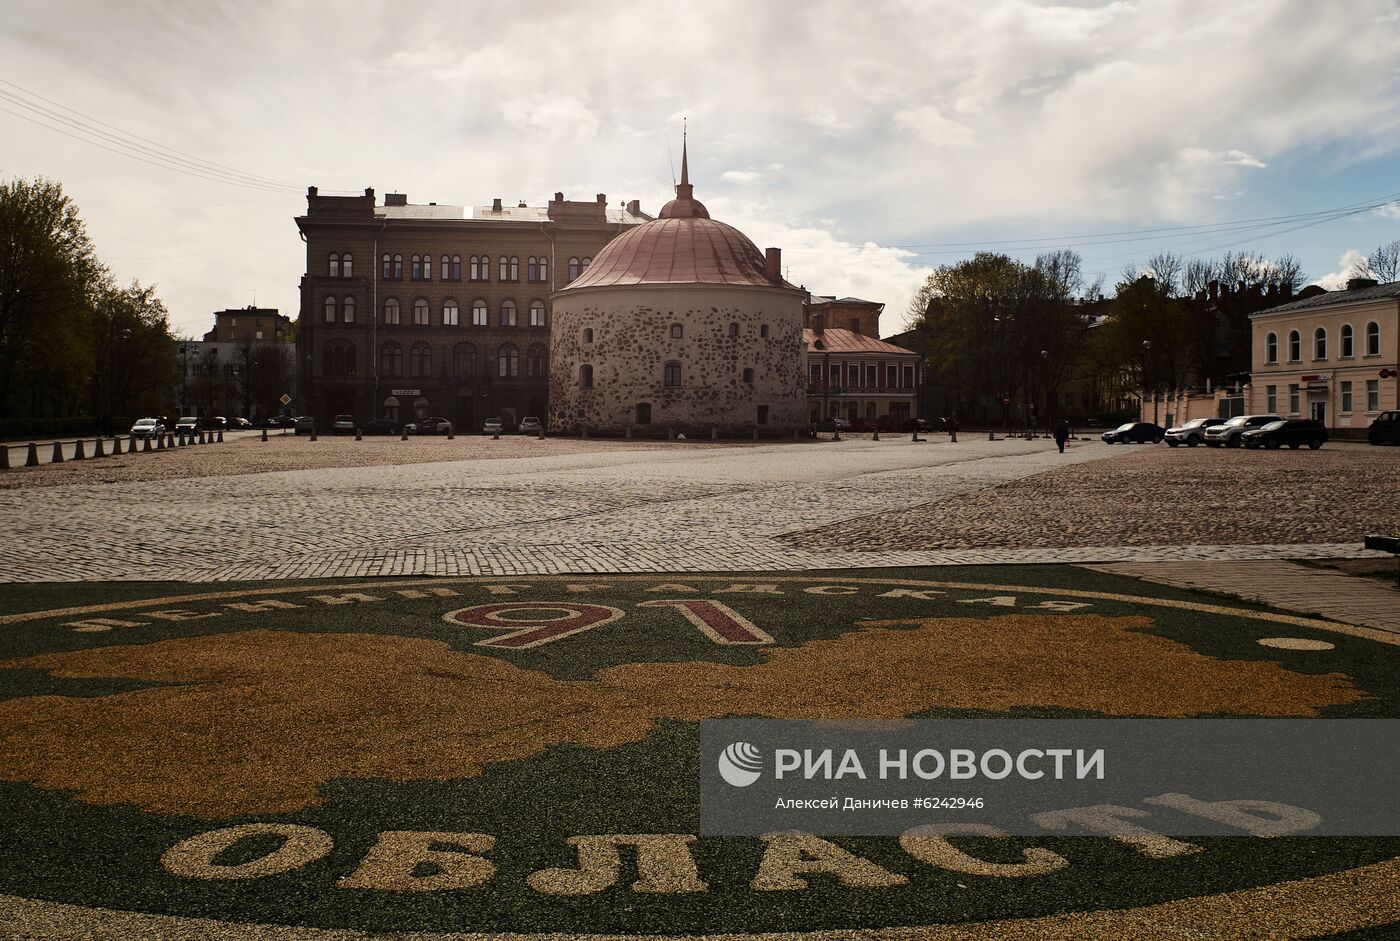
(507, 362)
(330, 310)
(420, 361)
(677, 331)
(335, 265)
(573, 268)
(391, 311)
(398, 267)
(420, 313)
(347, 310)
(416, 269)
(420, 408)
(391, 408)
(583, 265)
(532, 269)
(544, 268)
(588, 334)
(537, 314)
(388, 266)
(464, 361)
(1348, 341)
(644, 413)
(1295, 346)
(456, 267)
(391, 361)
(733, 329)
(347, 262)
(585, 376)
(478, 313)
(1373, 339)
(515, 267)
(338, 360)
(748, 376)
(672, 374)
(507, 313)
(763, 330)
(449, 313)
(1271, 348)
(474, 268)
(445, 271)
(505, 269)
(1319, 343)
(535, 362)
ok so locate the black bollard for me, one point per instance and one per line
(796, 435)
(131, 445)
(628, 433)
(670, 434)
(33, 459)
(202, 439)
(541, 434)
(160, 442)
(584, 433)
(714, 433)
(146, 443)
(451, 433)
(755, 432)
(836, 432)
(876, 436)
(57, 457)
(78, 451)
(403, 433)
(359, 433)
(496, 435)
(264, 434)
(116, 445)
(4, 457)
(221, 436)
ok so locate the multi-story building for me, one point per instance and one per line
(851, 372)
(412, 310)
(244, 366)
(245, 324)
(1330, 355)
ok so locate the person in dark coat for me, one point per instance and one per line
(1062, 434)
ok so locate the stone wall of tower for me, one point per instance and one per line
(724, 330)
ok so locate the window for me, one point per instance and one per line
(416, 269)
(508, 362)
(1348, 342)
(1295, 346)
(388, 266)
(814, 378)
(478, 313)
(544, 268)
(507, 313)
(391, 311)
(464, 361)
(1271, 399)
(1293, 398)
(347, 310)
(1319, 343)
(871, 376)
(644, 413)
(834, 377)
(908, 377)
(444, 270)
(330, 310)
(588, 334)
(532, 270)
(536, 362)
(391, 361)
(733, 329)
(672, 374)
(538, 269)
(763, 331)
(1346, 397)
(335, 265)
(420, 313)
(420, 361)
(347, 262)
(338, 360)
(1373, 395)
(1271, 348)
(870, 411)
(583, 265)
(537, 314)
(677, 331)
(763, 414)
(748, 376)
(585, 376)
(573, 268)
(456, 267)
(474, 269)
(505, 269)
(398, 267)
(1373, 339)
(449, 314)
(391, 408)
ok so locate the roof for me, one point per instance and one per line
(1327, 299)
(420, 212)
(837, 340)
(828, 299)
(690, 250)
(541, 214)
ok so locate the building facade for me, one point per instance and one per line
(410, 311)
(244, 366)
(851, 372)
(1333, 356)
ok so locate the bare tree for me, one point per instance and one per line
(1383, 264)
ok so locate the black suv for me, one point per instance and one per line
(1385, 429)
(1295, 432)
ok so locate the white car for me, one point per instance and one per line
(147, 428)
(530, 425)
(1228, 434)
(1192, 433)
(492, 426)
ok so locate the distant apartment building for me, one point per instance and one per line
(244, 366)
(851, 372)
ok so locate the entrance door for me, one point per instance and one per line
(1319, 411)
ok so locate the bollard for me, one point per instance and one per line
(403, 432)
(836, 433)
(584, 433)
(991, 436)
(146, 443)
(264, 434)
(78, 452)
(877, 434)
(4, 457)
(670, 434)
(57, 457)
(452, 432)
(33, 459)
(116, 445)
(628, 433)
(796, 435)
(755, 432)
(221, 436)
(359, 433)
(540, 435)
(496, 435)
(714, 433)
(200, 439)
(180, 439)
(131, 445)
(160, 442)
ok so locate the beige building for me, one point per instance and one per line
(679, 323)
(1333, 356)
(851, 372)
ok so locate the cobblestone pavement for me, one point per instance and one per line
(1347, 598)
(614, 509)
(1155, 496)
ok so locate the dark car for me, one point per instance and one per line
(429, 426)
(1294, 432)
(1135, 432)
(1228, 434)
(1385, 429)
(239, 423)
(833, 424)
(215, 422)
(304, 425)
(919, 425)
(382, 426)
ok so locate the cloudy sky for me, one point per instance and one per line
(871, 140)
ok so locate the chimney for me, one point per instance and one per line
(773, 264)
(369, 191)
(1360, 284)
(521, 204)
(602, 199)
(395, 199)
(496, 204)
(819, 324)
(558, 197)
(635, 207)
(311, 191)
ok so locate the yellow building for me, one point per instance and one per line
(1332, 355)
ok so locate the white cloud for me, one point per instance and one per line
(929, 125)
(1338, 279)
(551, 117)
(740, 176)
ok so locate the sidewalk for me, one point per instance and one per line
(1351, 599)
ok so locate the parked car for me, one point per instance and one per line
(833, 424)
(187, 425)
(1192, 433)
(304, 425)
(531, 425)
(1385, 429)
(343, 425)
(1295, 432)
(147, 428)
(279, 421)
(382, 426)
(492, 426)
(429, 426)
(214, 422)
(1135, 432)
(239, 422)
(1228, 434)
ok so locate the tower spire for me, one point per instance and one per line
(685, 165)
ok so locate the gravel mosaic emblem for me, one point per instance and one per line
(483, 756)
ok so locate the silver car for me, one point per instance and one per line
(1228, 434)
(147, 428)
(1192, 433)
(492, 426)
(531, 425)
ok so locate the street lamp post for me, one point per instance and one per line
(1146, 362)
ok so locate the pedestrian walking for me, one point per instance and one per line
(953, 430)
(1062, 434)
